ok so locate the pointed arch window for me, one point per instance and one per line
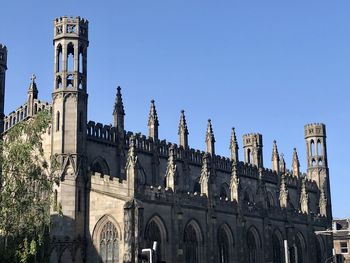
(253, 247)
(57, 121)
(153, 234)
(224, 247)
(312, 147)
(70, 57)
(276, 249)
(249, 156)
(191, 245)
(109, 244)
(319, 147)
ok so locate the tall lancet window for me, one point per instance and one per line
(109, 244)
(191, 245)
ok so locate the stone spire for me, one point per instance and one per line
(171, 170)
(304, 198)
(118, 111)
(153, 122)
(295, 163)
(205, 175)
(183, 131)
(210, 139)
(32, 95)
(234, 146)
(282, 164)
(234, 184)
(275, 158)
(283, 196)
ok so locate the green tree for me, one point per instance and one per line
(26, 184)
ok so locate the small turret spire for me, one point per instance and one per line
(118, 111)
(183, 131)
(282, 164)
(153, 122)
(210, 139)
(275, 158)
(295, 163)
(33, 90)
(234, 146)
(32, 95)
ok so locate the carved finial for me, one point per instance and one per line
(304, 198)
(210, 139)
(33, 78)
(118, 111)
(234, 146)
(283, 196)
(295, 163)
(275, 158)
(183, 131)
(282, 164)
(153, 122)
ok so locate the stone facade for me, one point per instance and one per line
(341, 236)
(119, 191)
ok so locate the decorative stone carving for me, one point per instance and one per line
(283, 195)
(205, 175)
(234, 184)
(171, 171)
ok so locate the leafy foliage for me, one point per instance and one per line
(25, 191)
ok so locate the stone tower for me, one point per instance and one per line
(253, 149)
(69, 110)
(317, 164)
(3, 68)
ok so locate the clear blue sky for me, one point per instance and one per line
(261, 66)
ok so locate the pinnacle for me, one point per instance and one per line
(153, 116)
(118, 105)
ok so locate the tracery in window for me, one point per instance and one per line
(109, 244)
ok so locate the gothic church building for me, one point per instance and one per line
(119, 191)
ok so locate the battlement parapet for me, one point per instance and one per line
(21, 113)
(269, 175)
(248, 170)
(315, 130)
(100, 132)
(74, 27)
(248, 139)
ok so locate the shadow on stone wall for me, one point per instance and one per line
(66, 246)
